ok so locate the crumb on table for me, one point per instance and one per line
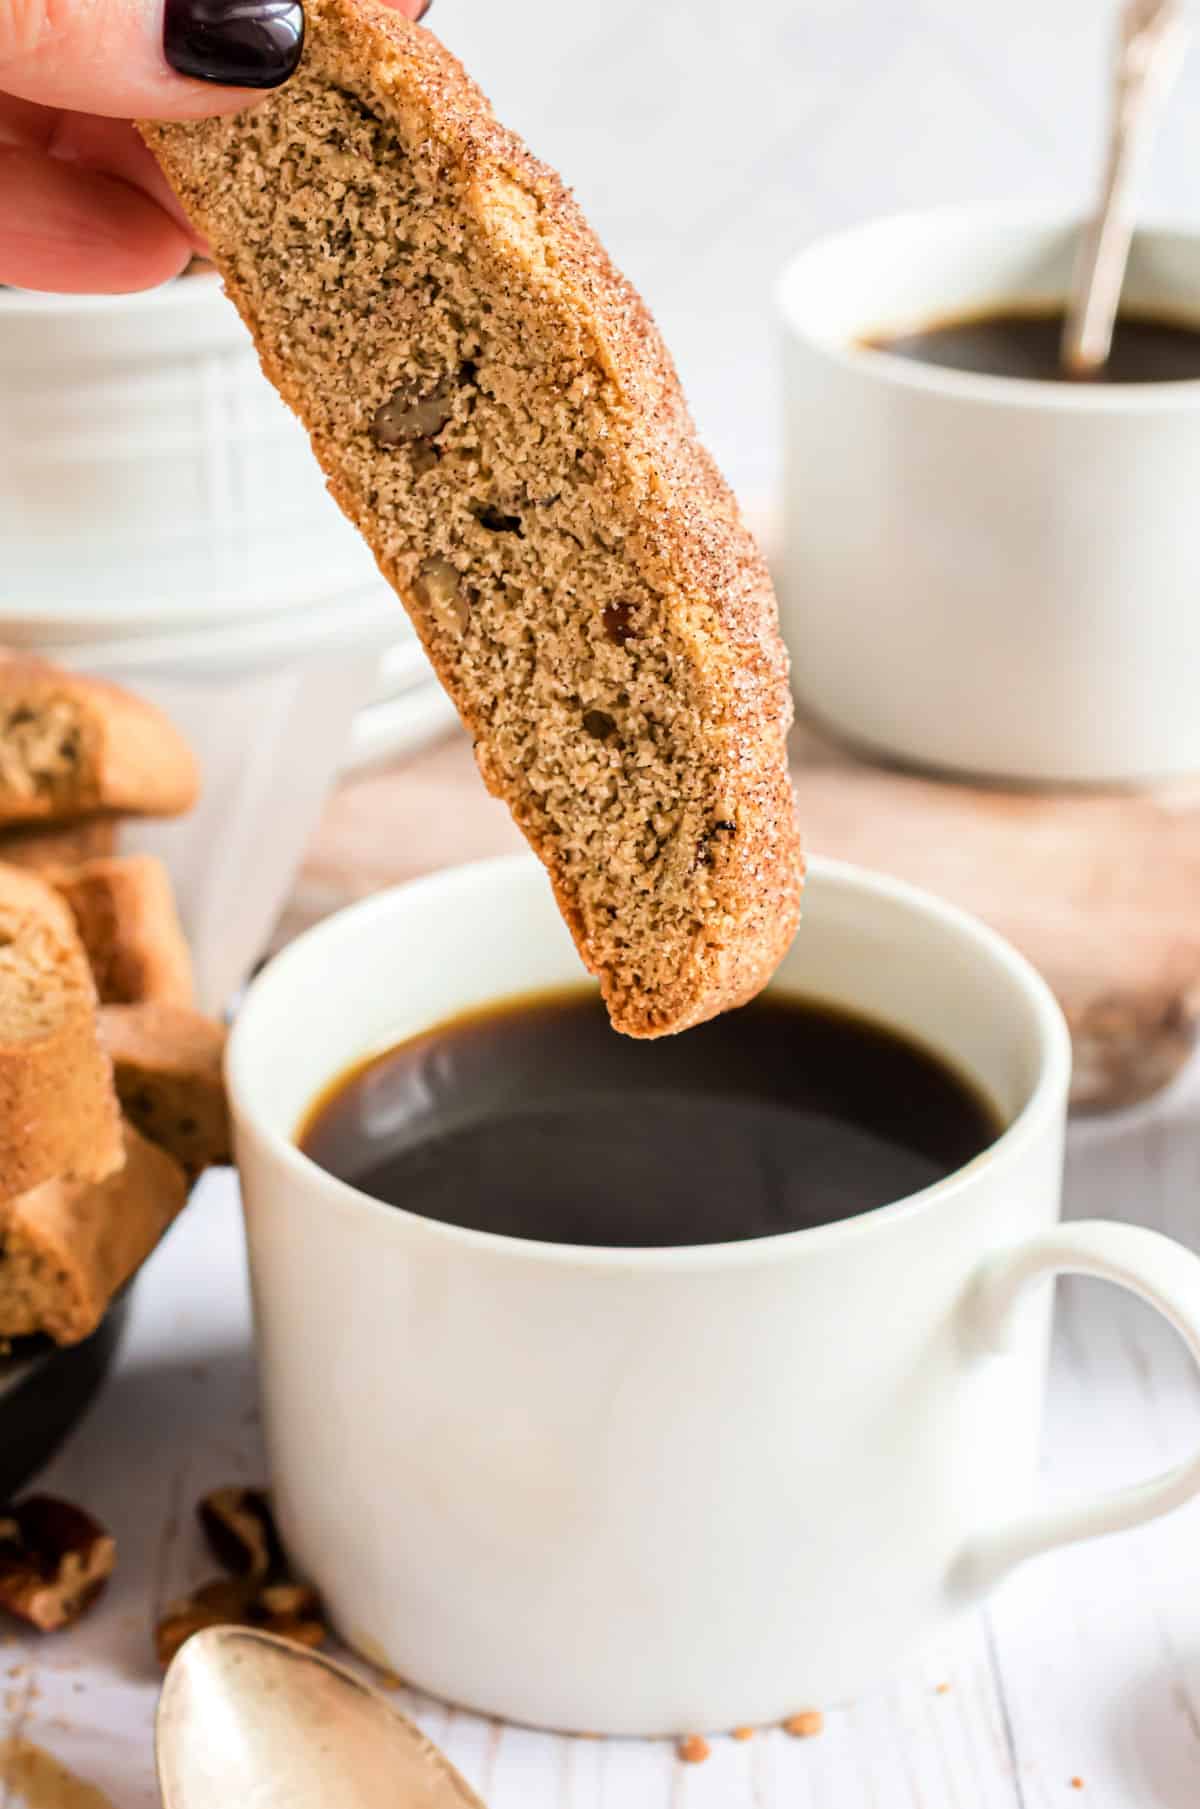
(742, 1733)
(693, 1749)
(805, 1725)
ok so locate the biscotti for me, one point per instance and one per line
(495, 410)
(71, 745)
(58, 1110)
(45, 847)
(125, 915)
(67, 1246)
(167, 1066)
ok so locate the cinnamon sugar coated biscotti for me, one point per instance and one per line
(495, 410)
(167, 1063)
(67, 1246)
(71, 745)
(58, 1109)
(124, 911)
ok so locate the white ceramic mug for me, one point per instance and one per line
(194, 497)
(983, 574)
(656, 1490)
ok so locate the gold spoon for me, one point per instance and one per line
(1150, 49)
(248, 1719)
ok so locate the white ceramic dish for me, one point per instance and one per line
(149, 474)
(403, 667)
(979, 574)
(657, 1491)
(399, 726)
(269, 709)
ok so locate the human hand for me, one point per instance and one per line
(83, 205)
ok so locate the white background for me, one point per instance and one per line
(708, 139)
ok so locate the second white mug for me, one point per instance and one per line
(985, 574)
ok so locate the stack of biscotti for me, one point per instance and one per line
(102, 1129)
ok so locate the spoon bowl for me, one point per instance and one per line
(247, 1718)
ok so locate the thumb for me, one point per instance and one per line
(163, 59)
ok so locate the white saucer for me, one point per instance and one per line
(398, 726)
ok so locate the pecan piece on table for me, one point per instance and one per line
(240, 1530)
(289, 1609)
(54, 1561)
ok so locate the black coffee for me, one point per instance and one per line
(1147, 348)
(536, 1120)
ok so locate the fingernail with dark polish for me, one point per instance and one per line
(425, 6)
(240, 43)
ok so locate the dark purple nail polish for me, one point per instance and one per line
(425, 6)
(240, 43)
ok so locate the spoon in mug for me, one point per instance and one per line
(247, 1718)
(1149, 52)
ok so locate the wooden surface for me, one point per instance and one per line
(1086, 1664)
(1102, 891)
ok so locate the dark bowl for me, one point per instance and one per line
(44, 1392)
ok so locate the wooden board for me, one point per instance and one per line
(1100, 890)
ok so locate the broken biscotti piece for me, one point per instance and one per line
(167, 1065)
(67, 1246)
(495, 410)
(125, 915)
(47, 846)
(58, 1110)
(71, 745)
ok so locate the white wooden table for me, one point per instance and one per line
(1086, 1665)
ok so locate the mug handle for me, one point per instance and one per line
(1162, 1272)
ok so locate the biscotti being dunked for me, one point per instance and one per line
(495, 410)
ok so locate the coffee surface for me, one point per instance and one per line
(536, 1120)
(1146, 348)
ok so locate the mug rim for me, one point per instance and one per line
(355, 1206)
(1175, 396)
